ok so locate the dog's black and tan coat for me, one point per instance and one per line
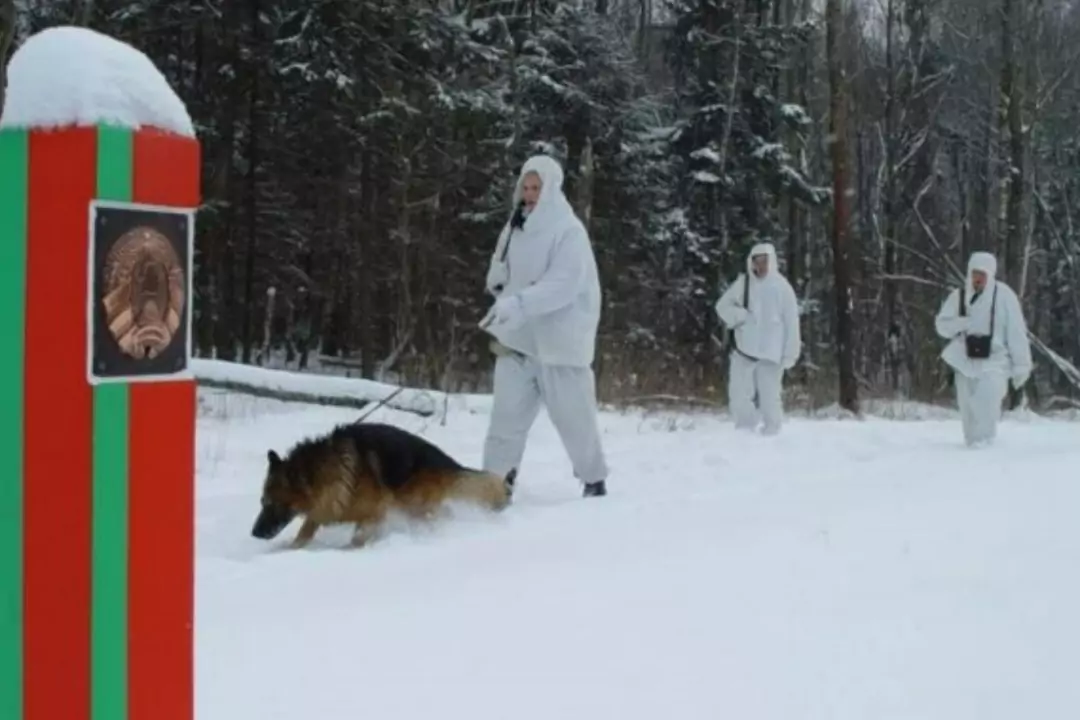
(358, 473)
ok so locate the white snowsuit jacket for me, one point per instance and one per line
(768, 329)
(549, 264)
(1010, 351)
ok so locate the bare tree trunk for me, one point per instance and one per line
(644, 23)
(1012, 108)
(254, 159)
(838, 97)
(221, 303)
(268, 326)
(84, 13)
(7, 37)
(368, 209)
(1012, 105)
(891, 288)
(586, 181)
(797, 77)
(405, 324)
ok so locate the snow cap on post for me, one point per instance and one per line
(72, 76)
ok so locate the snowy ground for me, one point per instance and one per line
(844, 570)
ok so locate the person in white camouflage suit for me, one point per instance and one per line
(544, 276)
(988, 346)
(761, 309)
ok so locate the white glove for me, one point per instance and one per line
(787, 363)
(507, 313)
(1019, 379)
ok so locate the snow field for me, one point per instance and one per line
(841, 570)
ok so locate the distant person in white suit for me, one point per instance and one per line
(988, 346)
(761, 309)
(543, 274)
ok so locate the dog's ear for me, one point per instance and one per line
(273, 458)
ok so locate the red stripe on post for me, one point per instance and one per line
(161, 482)
(167, 169)
(58, 426)
(161, 584)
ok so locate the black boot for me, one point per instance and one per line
(595, 489)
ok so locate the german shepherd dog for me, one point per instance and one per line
(359, 472)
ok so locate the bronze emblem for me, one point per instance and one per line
(144, 292)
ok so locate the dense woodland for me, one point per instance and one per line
(359, 157)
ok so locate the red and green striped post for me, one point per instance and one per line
(96, 481)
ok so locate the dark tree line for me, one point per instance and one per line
(359, 155)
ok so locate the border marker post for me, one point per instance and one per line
(98, 192)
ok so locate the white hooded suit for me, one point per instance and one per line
(768, 341)
(547, 272)
(981, 383)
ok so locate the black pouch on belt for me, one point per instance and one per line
(978, 346)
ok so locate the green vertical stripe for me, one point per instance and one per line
(14, 197)
(109, 599)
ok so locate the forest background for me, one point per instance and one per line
(359, 157)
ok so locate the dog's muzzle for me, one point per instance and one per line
(271, 521)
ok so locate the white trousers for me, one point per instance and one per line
(749, 378)
(568, 393)
(979, 400)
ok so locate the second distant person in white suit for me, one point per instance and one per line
(763, 312)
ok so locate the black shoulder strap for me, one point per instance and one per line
(993, 307)
(746, 306)
(517, 222)
(506, 245)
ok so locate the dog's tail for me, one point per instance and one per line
(484, 487)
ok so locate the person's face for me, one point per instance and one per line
(530, 190)
(760, 264)
(978, 280)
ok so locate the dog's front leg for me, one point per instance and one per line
(363, 534)
(307, 532)
(368, 524)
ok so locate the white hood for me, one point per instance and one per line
(764, 248)
(552, 203)
(988, 264)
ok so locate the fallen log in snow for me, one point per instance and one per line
(311, 388)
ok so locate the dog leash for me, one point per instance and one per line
(516, 222)
(378, 405)
(367, 413)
